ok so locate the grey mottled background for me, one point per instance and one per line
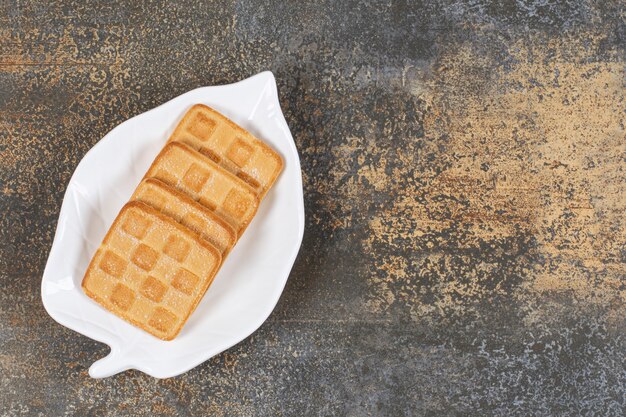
(464, 173)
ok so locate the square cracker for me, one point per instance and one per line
(187, 212)
(151, 271)
(229, 145)
(190, 172)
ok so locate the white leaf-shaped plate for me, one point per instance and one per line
(249, 283)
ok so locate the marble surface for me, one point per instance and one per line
(464, 176)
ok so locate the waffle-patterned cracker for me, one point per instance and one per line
(150, 270)
(187, 212)
(229, 145)
(181, 167)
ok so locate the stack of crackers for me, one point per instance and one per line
(167, 243)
